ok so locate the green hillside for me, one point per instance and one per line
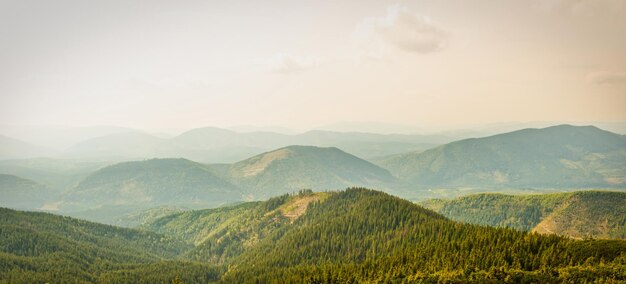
(152, 183)
(360, 235)
(40, 247)
(555, 157)
(224, 233)
(20, 193)
(293, 168)
(597, 214)
(353, 236)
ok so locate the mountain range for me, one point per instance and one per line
(215, 145)
(532, 160)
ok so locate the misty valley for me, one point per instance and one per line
(543, 205)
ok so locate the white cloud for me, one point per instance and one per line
(288, 63)
(607, 78)
(402, 29)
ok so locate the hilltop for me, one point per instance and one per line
(152, 183)
(293, 168)
(361, 235)
(555, 157)
(356, 235)
(598, 214)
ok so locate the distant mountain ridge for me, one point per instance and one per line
(20, 193)
(216, 145)
(582, 214)
(130, 186)
(11, 148)
(554, 157)
(152, 183)
(531, 160)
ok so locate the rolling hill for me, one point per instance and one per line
(598, 214)
(118, 146)
(355, 236)
(555, 157)
(57, 174)
(360, 235)
(152, 183)
(20, 193)
(293, 168)
(11, 148)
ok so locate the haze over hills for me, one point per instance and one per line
(116, 147)
(151, 183)
(581, 214)
(532, 160)
(16, 149)
(111, 193)
(215, 145)
(554, 157)
(59, 138)
(22, 193)
(57, 174)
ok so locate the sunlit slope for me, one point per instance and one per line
(597, 214)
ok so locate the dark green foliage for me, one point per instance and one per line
(353, 236)
(41, 247)
(222, 234)
(361, 235)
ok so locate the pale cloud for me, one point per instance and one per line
(402, 29)
(289, 63)
(607, 78)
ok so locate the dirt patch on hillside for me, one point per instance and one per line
(297, 207)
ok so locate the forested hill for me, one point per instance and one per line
(353, 236)
(598, 214)
(152, 183)
(359, 235)
(41, 248)
(561, 156)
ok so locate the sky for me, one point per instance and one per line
(302, 64)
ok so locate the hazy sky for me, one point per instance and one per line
(301, 64)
